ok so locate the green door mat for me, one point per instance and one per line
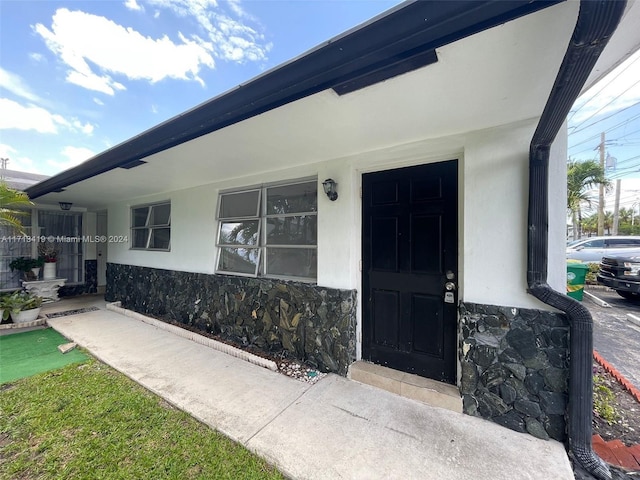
(25, 354)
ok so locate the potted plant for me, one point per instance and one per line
(22, 306)
(49, 255)
(37, 263)
(29, 266)
(4, 312)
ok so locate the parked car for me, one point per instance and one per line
(594, 248)
(621, 273)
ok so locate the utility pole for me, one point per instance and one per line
(601, 191)
(3, 166)
(616, 209)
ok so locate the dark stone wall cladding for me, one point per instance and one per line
(515, 367)
(310, 323)
(90, 284)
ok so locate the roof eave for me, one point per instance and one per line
(399, 37)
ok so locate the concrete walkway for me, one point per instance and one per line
(335, 429)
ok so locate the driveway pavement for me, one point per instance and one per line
(616, 337)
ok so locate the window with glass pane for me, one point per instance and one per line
(291, 230)
(239, 232)
(15, 246)
(151, 227)
(240, 204)
(270, 231)
(70, 262)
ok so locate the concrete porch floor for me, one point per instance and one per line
(334, 429)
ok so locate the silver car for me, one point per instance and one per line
(592, 249)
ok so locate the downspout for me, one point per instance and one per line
(597, 20)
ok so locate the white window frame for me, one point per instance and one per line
(151, 227)
(262, 247)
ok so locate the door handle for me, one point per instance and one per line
(449, 296)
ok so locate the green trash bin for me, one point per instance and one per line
(576, 275)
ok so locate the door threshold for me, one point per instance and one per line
(425, 390)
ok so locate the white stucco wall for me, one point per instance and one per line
(495, 210)
(493, 179)
(193, 223)
(557, 274)
(494, 255)
(192, 232)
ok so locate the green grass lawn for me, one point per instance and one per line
(90, 422)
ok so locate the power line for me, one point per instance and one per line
(605, 118)
(608, 103)
(603, 87)
(610, 129)
(630, 133)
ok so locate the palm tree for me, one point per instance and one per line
(581, 177)
(625, 215)
(10, 203)
(589, 224)
(608, 221)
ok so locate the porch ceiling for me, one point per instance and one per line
(495, 77)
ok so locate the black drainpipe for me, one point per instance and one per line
(596, 23)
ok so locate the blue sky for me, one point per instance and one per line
(78, 77)
(612, 106)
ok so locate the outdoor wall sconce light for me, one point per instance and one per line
(65, 205)
(329, 186)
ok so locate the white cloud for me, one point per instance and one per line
(97, 101)
(132, 5)
(16, 162)
(37, 57)
(6, 151)
(90, 81)
(79, 40)
(16, 85)
(85, 128)
(31, 117)
(73, 156)
(236, 8)
(222, 28)
(20, 117)
(619, 89)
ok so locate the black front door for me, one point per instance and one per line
(409, 247)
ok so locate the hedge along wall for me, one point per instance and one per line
(314, 324)
(515, 367)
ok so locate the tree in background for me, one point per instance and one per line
(627, 224)
(625, 215)
(11, 201)
(582, 176)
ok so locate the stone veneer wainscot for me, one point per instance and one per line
(515, 367)
(310, 323)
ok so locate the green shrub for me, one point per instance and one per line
(604, 400)
(592, 273)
